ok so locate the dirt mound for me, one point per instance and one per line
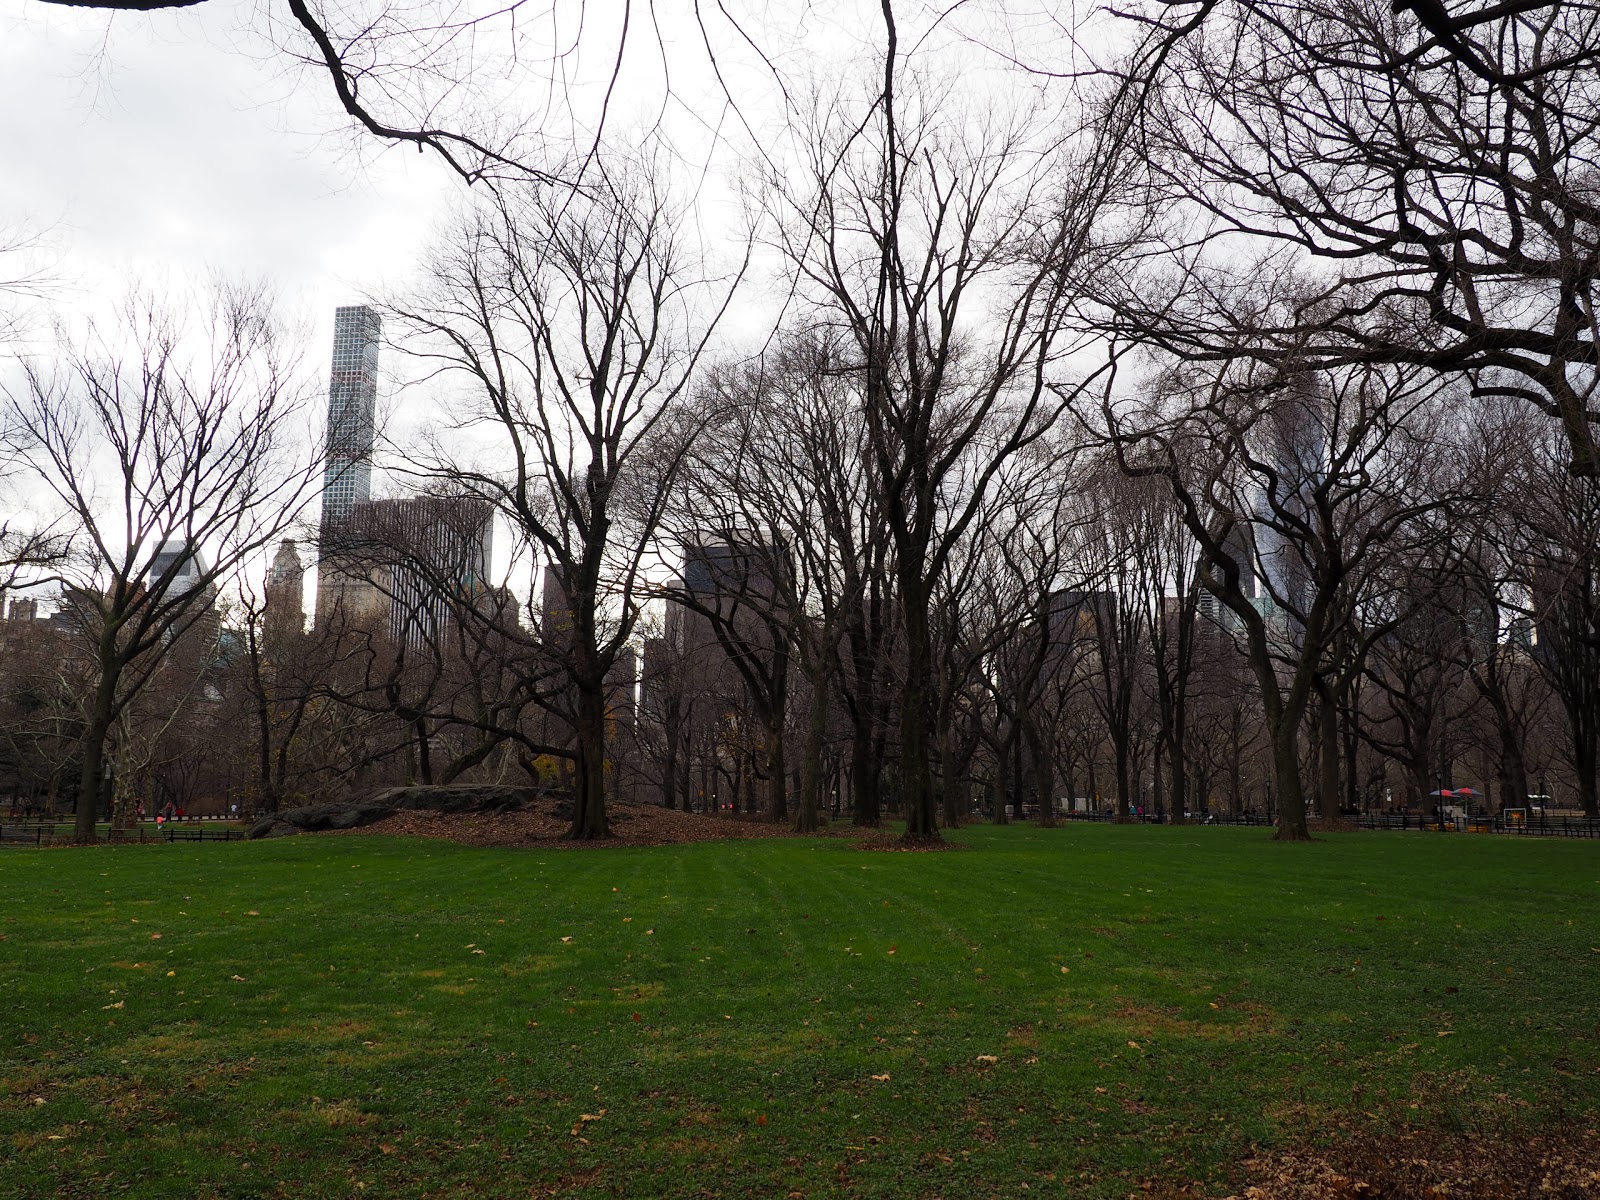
(631, 825)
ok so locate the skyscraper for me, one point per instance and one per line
(401, 565)
(352, 404)
(286, 590)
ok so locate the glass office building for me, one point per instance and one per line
(352, 404)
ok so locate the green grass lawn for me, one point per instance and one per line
(1070, 1012)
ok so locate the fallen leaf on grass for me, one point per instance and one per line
(240, 979)
(1446, 1033)
(880, 1079)
(987, 1058)
(118, 1004)
(252, 913)
(584, 1119)
(155, 937)
(566, 939)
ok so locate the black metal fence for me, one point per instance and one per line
(49, 834)
(1519, 824)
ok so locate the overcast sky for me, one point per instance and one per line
(169, 144)
(166, 147)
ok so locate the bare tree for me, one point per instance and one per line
(1291, 489)
(1560, 519)
(911, 226)
(177, 453)
(494, 90)
(576, 322)
(1115, 608)
(1430, 176)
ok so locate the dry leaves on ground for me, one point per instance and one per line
(631, 825)
(1435, 1166)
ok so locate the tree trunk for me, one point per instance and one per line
(1044, 775)
(1235, 751)
(424, 751)
(1513, 767)
(1585, 761)
(1158, 776)
(1002, 781)
(1292, 826)
(94, 749)
(124, 804)
(1328, 753)
(1351, 742)
(864, 773)
(777, 775)
(807, 816)
(1177, 757)
(950, 787)
(262, 708)
(1119, 746)
(1019, 778)
(1419, 772)
(669, 764)
(916, 780)
(589, 788)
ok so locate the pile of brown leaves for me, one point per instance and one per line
(631, 825)
(1435, 1166)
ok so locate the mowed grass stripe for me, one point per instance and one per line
(730, 1019)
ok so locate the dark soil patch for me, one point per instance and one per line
(631, 825)
(1433, 1166)
(881, 842)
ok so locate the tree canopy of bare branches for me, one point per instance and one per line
(175, 453)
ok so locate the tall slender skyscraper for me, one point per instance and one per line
(352, 404)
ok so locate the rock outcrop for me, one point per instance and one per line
(352, 814)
